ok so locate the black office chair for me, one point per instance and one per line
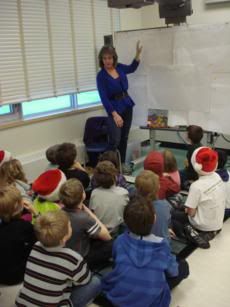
(96, 138)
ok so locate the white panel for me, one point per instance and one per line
(187, 72)
(12, 86)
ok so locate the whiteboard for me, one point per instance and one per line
(184, 69)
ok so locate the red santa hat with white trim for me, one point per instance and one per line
(5, 156)
(48, 184)
(204, 160)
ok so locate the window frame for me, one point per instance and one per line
(17, 111)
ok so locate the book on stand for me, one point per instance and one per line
(157, 118)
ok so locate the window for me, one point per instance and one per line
(53, 105)
(5, 110)
(87, 98)
(48, 48)
(46, 106)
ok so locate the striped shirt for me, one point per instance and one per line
(49, 277)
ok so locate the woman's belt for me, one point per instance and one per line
(120, 96)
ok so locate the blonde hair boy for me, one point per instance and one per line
(85, 225)
(147, 184)
(53, 228)
(50, 261)
(72, 193)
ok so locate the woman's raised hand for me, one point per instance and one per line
(138, 51)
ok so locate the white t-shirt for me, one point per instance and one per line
(227, 188)
(208, 196)
(108, 205)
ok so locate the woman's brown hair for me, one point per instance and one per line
(107, 50)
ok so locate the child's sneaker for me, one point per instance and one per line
(209, 235)
(195, 237)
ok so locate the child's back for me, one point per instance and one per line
(108, 201)
(53, 271)
(66, 159)
(207, 194)
(16, 237)
(108, 205)
(141, 262)
(47, 187)
(120, 179)
(147, 185)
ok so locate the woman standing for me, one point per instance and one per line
(112, 84)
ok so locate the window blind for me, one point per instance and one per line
(50, 47)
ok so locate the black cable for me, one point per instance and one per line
(224, 137)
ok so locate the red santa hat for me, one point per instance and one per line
(4, 156)
(204, 160)
(48, 184)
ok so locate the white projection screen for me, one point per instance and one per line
(184, 69)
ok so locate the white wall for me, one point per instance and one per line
(38, 136)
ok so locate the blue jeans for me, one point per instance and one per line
(83, 295)
(118, 137)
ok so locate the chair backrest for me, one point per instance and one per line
(96, 130)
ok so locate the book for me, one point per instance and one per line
(157, 118)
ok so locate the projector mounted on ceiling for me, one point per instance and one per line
(174, 11)
(124, 4)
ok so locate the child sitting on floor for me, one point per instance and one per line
(51, 156)
(16, 236)
(188, 175)
(47, 187)
(155, 162)
(145, 269)
(170, 166)
(108, 200)
(12, 172)
(224, 174)
(66, 159)
(112, 157)
(147, 185)
(206, 201)
(85, 226)
(55, 275)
